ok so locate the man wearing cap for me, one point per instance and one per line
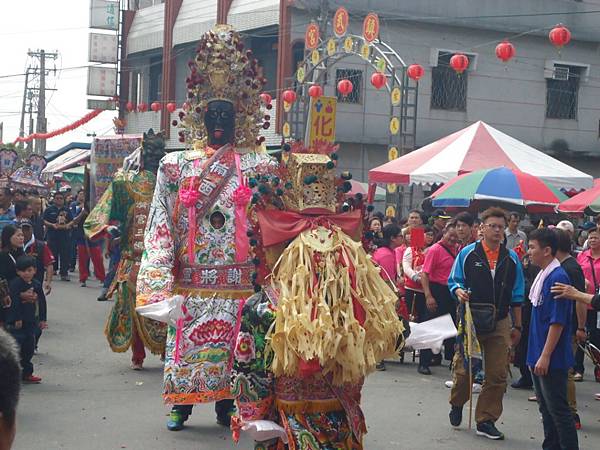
(440, 219)
(567, 226)
(514, 236)
(587, 227)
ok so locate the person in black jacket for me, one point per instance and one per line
(59, 221)
(487, 273)
(11, 246)
(10, 387)
(27, 297)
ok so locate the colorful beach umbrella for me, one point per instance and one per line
(587, 202)
(498, 186)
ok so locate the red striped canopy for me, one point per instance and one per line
(476, 147)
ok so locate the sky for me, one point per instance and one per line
(57, 25)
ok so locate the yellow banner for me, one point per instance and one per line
(322, 120)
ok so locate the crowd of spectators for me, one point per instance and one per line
(520, 280)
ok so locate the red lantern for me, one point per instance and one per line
(155, 106)
(266, 98)
(171, 107)
(130, 106)
(143, 107)
(415, 71)
(505, 51)
(315, 91)
(459, 63)
(345, 87)
(378, 80)
(289, 96)
(559, 35)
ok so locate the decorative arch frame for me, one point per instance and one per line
(403, 93)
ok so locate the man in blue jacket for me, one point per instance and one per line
(487, 273)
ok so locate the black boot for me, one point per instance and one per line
(224, 410)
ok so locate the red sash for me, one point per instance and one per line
(197, 193)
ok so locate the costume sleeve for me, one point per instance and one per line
(155, 279)
(456, 279)
(97, 221)
(518, 293)
(251, 380)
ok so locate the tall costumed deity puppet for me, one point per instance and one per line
(123, 210)
(198, 267)
(324, 318)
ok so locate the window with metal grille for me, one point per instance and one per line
(155, 81)
(356, 77)
(562, 91)
(448, 88)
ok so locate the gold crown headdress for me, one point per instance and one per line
(223, 70)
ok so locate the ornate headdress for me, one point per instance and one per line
(223, 70)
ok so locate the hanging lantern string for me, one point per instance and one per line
(85, 119)
(276, 92)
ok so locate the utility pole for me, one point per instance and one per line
(40, 144)
(23, 107)
(34, 95)
(31, 96)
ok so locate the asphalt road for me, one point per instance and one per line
(90, 399)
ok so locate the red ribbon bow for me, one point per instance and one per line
(280, 226)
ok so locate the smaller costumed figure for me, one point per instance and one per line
(323, 321)
(125, 204)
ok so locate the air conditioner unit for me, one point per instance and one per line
(561, 73)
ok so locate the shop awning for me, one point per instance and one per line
(67, 160)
